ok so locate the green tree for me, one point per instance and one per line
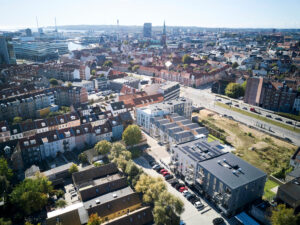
(73, 168)
(53, 81)
(60, 203)
(132, 135)
(82, 157)
(284, 216)
(4, 185)
(185, 66)
(234, 90)
(4, 221)
(108, 63)
(69, 84)
(17, 120)
(31, 195)
(94, 219)
(132, 172)
(186, 59)
(4, 169)
(103, 147)
(135, 68)
(244, 85)
(93, 72)
(235, 65)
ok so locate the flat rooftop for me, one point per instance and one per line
(108, 197)
(232, 170)
(200, 150)
(97, 182)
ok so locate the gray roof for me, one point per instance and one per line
(232, 170)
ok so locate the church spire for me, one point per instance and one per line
(164, 36)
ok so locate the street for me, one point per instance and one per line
(203, 97)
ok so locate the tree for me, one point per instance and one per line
(108, 63)
(60, 203)
(284, 216)
(53, 81)
(82, 157)
(17, 119)
(4, 185)
(4, 221)
(132, 135)
(234, 90)
(93, 72)
(244, 85)
(4, 169)
(103, 147)
(73, 168)
(185, 66)
(235, 65)
(135, 68)
(31, 195)
(133, 172)
(186, 59)
(94, 219)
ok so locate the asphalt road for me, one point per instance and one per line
(203, 97)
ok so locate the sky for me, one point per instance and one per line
(201, 13)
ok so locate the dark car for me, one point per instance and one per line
(245, 108)
(179, 185)
(169, 177)
(191, 196)
(236, 105)
(269, 116)
(174, 183)
(289, 122)
(218, 221)
(152, 162)
(157, 169)
(278, 118)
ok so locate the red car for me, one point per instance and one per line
(165, 174)
(182, 189)
(163, 170)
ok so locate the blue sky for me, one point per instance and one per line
(203, 13)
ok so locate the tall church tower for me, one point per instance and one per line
(164, 36)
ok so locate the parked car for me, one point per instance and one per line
(169, 177)
(157, 169)
(278, 118)
(199, 205)
(228, 103)
(236, 105)
(269, 116)
(166, 173)
(218, 221)
(191, 196)
(181, 189)
(186, 193)
(163, 170)
(253, 110)
(155, 166)
(245, 108)
(289, 122)
(152, 163)
(174, 182)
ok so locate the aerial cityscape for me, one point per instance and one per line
(129, 112)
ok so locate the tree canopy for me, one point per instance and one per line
(132, 135)
(284, 216)
(73, 168)
(135, 68)
(17, 119)
(94, 219)
(31, 195)
(235, 65)
(103, 147)
(108, 63)
(53, 81)
(186, 59)
(4, 169)
(234, 90)
(82, 157)
(4, 221)
(60, 203)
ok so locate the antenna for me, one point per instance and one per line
(55, 24)
(37, 23)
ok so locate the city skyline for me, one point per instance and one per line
(230, 14)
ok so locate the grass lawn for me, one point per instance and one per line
(256, 116)
(212, 138)
(267, 190)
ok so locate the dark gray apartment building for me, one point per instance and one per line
(231, 183)
(147, 30)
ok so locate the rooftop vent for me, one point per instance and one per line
(97, 201)
(115, 195)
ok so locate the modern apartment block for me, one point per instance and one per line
(230, 182)
(181, 106)
(169, 89)
(174, 129)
